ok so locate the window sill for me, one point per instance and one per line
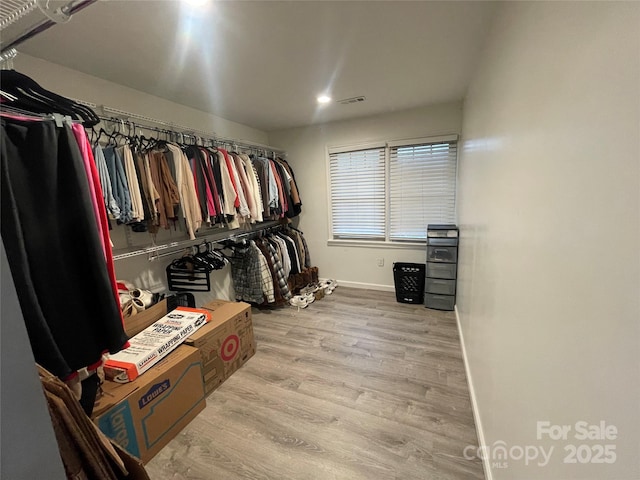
(377, 244)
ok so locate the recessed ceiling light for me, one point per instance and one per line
(323, 99)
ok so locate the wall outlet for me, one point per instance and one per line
(381, 262)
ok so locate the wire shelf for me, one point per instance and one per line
(13, 10)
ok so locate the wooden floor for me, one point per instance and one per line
(356, 386)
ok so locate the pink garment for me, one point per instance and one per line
(85, 150)
(97, 199)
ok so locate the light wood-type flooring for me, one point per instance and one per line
(354, 387)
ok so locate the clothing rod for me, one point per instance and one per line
(174, 127)
(184, 130)
(181, 245)
(68, 10)
(129, 115)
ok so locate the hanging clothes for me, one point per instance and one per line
(138, 162)
(153, 197)
(241, 202)
(102, 222)
(283, 257)
(105, 182)
(296, 203)
(213, 166)
(165, 186)
(118, 183)
(246, 273)
(254, 186)
(284, 254)
(53, 246)
(213, 197)
(269, 188)
(277, 269)
(145, 179)
(137, 209)
(92, 179)
(265, 273)
(296, 266)
(193, 154)
(246, 187)
(186, 189)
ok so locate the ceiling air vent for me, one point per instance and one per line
(349, 101)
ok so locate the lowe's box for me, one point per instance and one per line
(225, 343)
(144, 415)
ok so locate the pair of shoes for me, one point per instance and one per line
(132, 299)
(314, 289)
(310, 288)
(143, 297)
(128, 293)
(129, 309)
(329, 285)
(302, 301)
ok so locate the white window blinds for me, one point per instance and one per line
(390, 193)
(422, 188)
(358, 186)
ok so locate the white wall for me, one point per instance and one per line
(306, 148)
(549, 208)
(67, 82)
(78, 85)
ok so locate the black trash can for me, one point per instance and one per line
(409, 282)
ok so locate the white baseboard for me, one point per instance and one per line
(367, 286)
(474, 403)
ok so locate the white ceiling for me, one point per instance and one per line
(263, 63)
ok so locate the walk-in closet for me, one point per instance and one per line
(287, 240)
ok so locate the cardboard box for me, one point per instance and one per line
(135, 324)
(154, 343)
(225, 343)
(144, 415)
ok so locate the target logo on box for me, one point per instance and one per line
(229, 348)
(225, 343)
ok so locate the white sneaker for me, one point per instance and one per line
(299, 301)
(329, 285)
(145, 296)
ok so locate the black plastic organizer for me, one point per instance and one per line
(409, 282)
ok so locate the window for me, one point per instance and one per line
(391, 192)
(358, 194)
